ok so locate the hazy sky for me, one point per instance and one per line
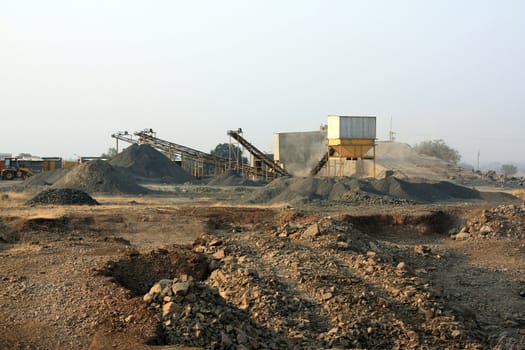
(73, 72)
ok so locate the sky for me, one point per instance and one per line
(74, 72)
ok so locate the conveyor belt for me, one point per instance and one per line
(258, 154)
(166, 146)
(322, 162)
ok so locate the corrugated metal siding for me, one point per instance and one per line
(343, 127)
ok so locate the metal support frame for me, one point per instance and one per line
(235, 156)
(257, 154)
(201, 164)
(335, 163)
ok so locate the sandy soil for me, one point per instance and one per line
(53, 294)
(59, 288)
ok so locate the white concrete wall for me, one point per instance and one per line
(299, 151)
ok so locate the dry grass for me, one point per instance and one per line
(257, 206)
(47, 213)
(15, 197)
(519, 193)
(23, 248)
(13, 204)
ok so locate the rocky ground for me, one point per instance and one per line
(189, 272)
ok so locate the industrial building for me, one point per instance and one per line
(339, 148)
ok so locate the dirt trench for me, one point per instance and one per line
(274, 274)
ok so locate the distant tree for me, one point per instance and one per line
(438, 149)
(509, 169)
(111, 152)
(222, 150)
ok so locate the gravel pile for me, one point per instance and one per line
(389, 190)
(504, 221)
(358, 197)
(146, 163)
(299, 190)
(232, 178)
(62, 196)
(42, 180)
(99, 176)
(419, 190)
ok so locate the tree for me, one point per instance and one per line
(509, 169)
(222, 150)
(111, 152)
(438, 149)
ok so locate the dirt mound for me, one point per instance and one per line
(99, 176)
(232, 178)
(146, 163)
(504, 221)
(405, 162)
(222, 326)
(311, 189)
(62, 196)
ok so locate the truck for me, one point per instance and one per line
(12, 169)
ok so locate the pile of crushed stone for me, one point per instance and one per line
(232, 178)
(344, 189)
(179, 304)
(357, 198)
(62, 196)
(146, 163)
(419, 190)
(42, 180)
(504, 221)
(99, 176)
(337, 288)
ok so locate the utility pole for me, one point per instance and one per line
(478, 159)
(391, 133)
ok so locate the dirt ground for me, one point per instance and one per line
(374, 277)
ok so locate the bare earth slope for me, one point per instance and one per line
(407, 163)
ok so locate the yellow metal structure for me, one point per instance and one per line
(51, 164)
(350, 138)
(350, 149)
(69, 163)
